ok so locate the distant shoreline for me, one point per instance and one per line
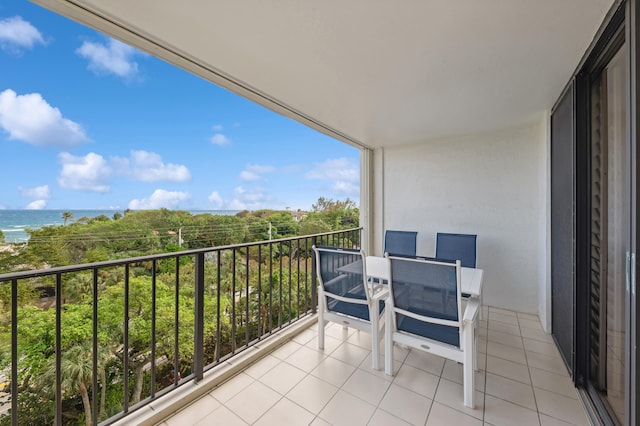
(14, 222)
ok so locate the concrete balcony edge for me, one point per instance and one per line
(172, 402)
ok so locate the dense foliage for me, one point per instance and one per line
(249, 292)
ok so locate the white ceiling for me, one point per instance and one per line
(371, 72)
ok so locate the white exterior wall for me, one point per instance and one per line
(493, 185)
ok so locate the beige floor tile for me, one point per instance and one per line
(482, 344)
(504, 328)
(441, 414)
(231, 387)
(501, 311)
(282, 377)
(552, 382)
(502, 318)
(194, 412)
(509, 369)
(416, 380)
(382, 418)
(253, 401)
(338, 331)
(362, 339)
(345, 409)
(257, 369)
(499, 412)
(222, 416)
(312, 394)
(533, 325)
(545, 348)
(305, 359)
(306, 336)
(351, 354)
(366, 386)
(367, 366)
(400, 353)
(285, 412)
(452, 395)
(285, 350)
(425, 361)
(505, 339)
(530, 317)
(560, 407)
(530, 333)
(548, 363)
(550, 421)
(407, 405)
(453, 372)
(507, 352)
(330, 344)
(333, 371)
(511, 390)
(319, 422)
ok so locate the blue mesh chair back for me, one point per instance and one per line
(426, 298)
(341, 274)
(460, 247)
(400, 242)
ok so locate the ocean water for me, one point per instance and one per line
(14, 222)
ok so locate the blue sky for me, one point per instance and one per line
(87, 122)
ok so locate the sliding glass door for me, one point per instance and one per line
(610, 236)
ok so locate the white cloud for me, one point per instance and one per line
(217, 127)
(148, 166)
(31, 119)
(88, 173)
(216, 200)
(260, 168)
(114, 57)
(220, 139)
(253, 172)
(17, 35)
(159, 199)
(347, 188)
(248, 176)
(36, 205)
(252, 199)
(93, 172)
(41, 192)
(342, 172)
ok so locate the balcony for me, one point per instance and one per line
(248, 353)
(522, 380)
(113, 337)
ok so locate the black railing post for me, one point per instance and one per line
(14, 352)
(314, 284)
(198, 341)
(58, 416)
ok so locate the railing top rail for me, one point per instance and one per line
(109, 263)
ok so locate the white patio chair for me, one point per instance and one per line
(346, 297)
(424, 311)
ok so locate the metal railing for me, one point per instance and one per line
(117, 335)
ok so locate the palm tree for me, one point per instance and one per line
(77, 375)
(67, 216)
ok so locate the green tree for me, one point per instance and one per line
(66, 216)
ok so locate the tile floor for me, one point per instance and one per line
(522, 381)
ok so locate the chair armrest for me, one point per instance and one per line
(335, 280)
(471, 311)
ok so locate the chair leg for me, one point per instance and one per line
(374, 314)
(388, 343)
(468, 367)
(321, 322)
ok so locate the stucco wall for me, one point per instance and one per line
(490, 185)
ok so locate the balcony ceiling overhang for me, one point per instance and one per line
(372, 73)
